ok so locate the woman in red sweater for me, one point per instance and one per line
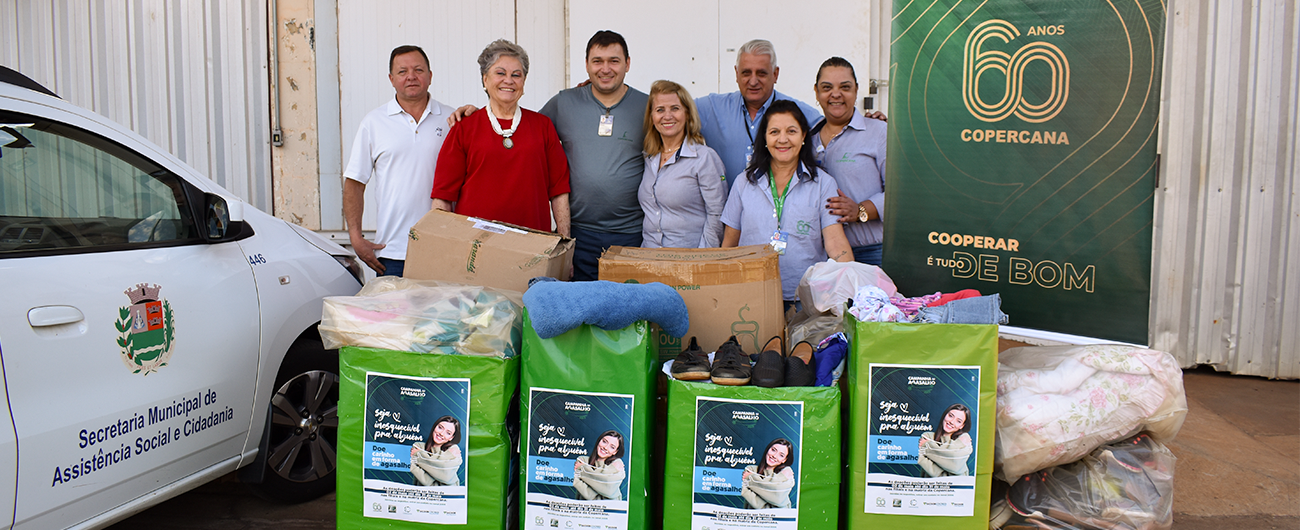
(505, 164)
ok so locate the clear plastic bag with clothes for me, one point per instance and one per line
(1127, 484)
(826, 286)
(1058, 403)
(423, 316)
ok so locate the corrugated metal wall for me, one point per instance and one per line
(190, 76)
(1226, 278)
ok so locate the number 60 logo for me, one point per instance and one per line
(977, 62)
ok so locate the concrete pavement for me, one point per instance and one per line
(1238, 453)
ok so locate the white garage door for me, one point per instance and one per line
(694, 42)
(452, 34)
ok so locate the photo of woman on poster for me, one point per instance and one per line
(768, 484)
(946, 454)
(438, 462)
(599, 475)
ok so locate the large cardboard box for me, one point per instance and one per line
(471, 251)
(731, 291)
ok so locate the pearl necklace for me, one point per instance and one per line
(496, 126)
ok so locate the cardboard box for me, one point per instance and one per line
(731, 291)
(471, 251)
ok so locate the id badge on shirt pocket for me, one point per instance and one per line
(606, 125)
(778, 241)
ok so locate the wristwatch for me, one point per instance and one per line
(862, 213)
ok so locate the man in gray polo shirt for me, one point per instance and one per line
(600, 126)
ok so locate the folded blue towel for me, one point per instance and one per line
(557, 307)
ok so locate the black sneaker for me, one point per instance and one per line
(730, 364)
(692, 364)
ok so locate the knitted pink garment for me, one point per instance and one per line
(910, 306)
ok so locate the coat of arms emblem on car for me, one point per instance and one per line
(146, 329)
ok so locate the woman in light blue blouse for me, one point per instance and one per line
(853, 149)
(683, 188)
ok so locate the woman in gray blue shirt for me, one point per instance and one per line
(853, 149)
(780, 200)
(683, 188)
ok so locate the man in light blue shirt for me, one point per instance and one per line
(729, 122)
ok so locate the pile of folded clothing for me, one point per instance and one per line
(871, 304)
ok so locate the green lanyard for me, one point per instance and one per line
(778, 200)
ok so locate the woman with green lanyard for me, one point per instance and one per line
(780, 200)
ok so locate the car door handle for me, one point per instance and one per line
(53, 315)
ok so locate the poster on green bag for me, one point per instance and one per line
(578, 456)
(920, 440)
(747, 464)
(923, 403)
(1022, 157)
(414, 457)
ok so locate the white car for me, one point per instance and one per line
(156, 333)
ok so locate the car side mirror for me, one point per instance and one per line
(224, 218)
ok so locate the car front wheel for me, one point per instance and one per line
(300, 445)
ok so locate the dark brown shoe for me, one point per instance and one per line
(692, 364)
(730, 365)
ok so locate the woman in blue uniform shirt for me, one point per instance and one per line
(780, 200)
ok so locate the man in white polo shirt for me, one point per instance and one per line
(395, 150)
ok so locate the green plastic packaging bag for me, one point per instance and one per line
(587, 418)
(392, 403)
(922, 401)
(717, 473)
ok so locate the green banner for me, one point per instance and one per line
(1022, 157)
